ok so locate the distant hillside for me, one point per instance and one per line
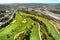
(33, 5)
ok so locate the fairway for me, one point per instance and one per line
(12, 29)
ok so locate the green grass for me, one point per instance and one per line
(13, 28)
(35, 32)
(17, 27)
(50, 27)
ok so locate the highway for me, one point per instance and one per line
(45, 12)
(51, 15)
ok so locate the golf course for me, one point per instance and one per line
(29, 27)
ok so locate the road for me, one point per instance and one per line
(10, 17)
(51, 15)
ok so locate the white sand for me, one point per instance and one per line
(14, 21)
(24, 21)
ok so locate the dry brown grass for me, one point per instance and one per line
(56, 25)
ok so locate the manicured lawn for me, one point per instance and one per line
(12, 29)
(35, 32)
(50, 27)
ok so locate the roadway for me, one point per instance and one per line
(51, 15)
(10, 16)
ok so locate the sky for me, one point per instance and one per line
(29, 1)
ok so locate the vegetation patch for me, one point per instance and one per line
(26, 27)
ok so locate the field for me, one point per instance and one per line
(32, 23)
